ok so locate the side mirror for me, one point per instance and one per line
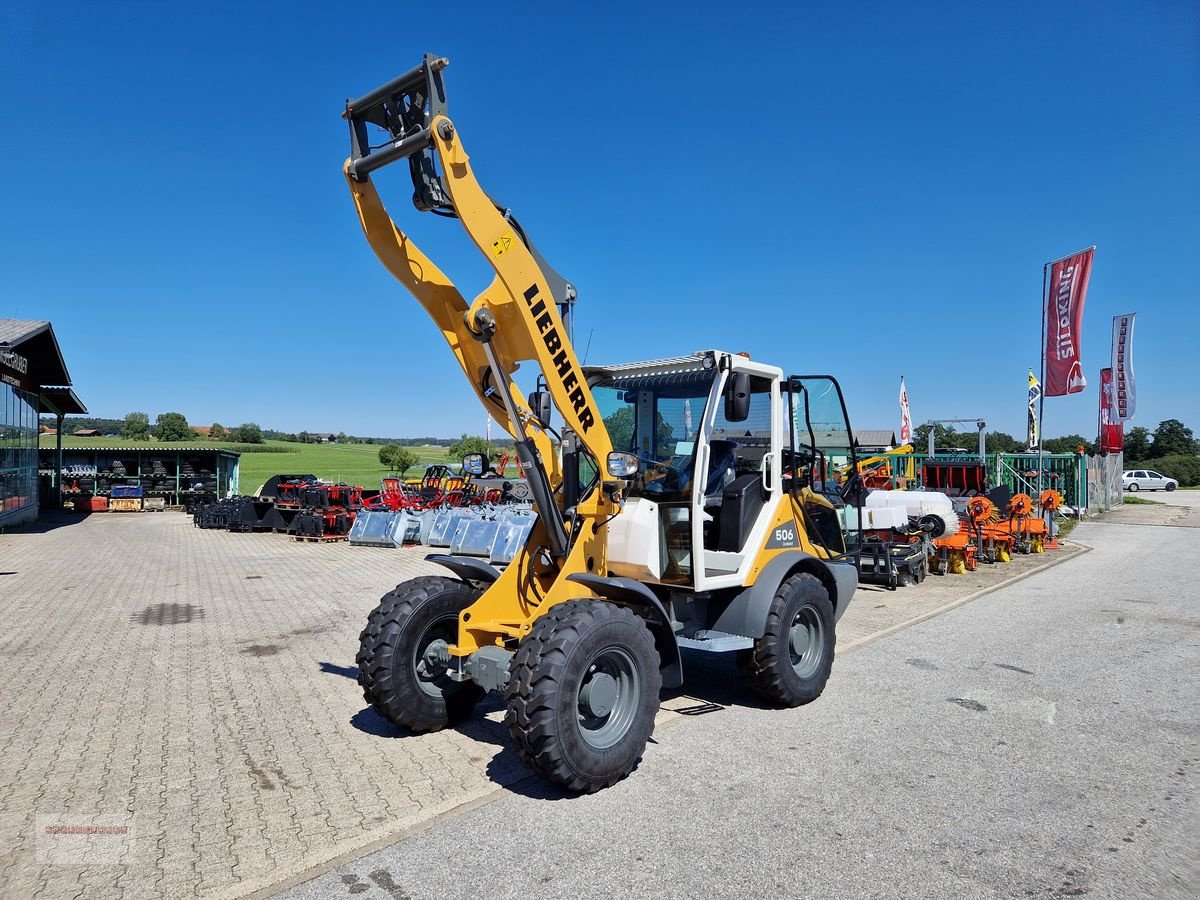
(737, 397)
(539, 403)
(622, 465)
(473, 463)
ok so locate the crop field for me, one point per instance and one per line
(352, 463)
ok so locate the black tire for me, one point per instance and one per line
(779, 670)
(1171, 487)
(1132, 487)
(559, 662)
(396, 679)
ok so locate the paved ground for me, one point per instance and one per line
(188, 696)
(1039, 742)
(1171, 498)
(1161, 508)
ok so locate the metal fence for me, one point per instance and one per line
(1025, 473)
(1105, 487)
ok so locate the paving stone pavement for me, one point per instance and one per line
(188, 697)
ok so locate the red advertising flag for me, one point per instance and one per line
(1112, 431)
(1066, 291)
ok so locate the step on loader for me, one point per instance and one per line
(682, 503)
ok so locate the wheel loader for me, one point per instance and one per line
(684, 503)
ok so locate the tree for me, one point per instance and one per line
(1068, 444)
(246, 433)
(172, 426)
(943, 437)
(1173, 438)
(136, 426)
(620, 427)
(999, 442)
(466, 445)
(217, 432)
(398, 459)
(341, 438)
(1137, 444)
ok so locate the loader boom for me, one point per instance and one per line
(515, 319)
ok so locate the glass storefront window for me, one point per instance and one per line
(18, 452)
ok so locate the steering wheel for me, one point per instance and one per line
(668, 483)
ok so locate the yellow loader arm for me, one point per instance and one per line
(515, 319)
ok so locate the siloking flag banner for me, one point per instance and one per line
(905, 415)
(1112, 431)
(1124, 389)
(1066, 291)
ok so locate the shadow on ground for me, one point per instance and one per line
(712, 685)
(47, 521)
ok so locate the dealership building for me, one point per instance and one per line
(33, 381)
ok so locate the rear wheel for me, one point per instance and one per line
(401, 660)
(583, 694)
(790, 664)
(1132, 486)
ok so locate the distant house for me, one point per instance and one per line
(46, 429)
(875, 440)
(202, 430)
(322, 437)
(86, 432)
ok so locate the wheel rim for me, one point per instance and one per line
(806, 641)
(608, 699)
(430, 673)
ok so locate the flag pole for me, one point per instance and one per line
(1042, 392)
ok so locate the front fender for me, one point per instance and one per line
(633, 593)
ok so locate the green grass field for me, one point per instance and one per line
(351, 463)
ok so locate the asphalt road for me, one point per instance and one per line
(1039, 742)
(1171, 498)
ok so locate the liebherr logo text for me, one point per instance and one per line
(1065, 344)
(566, 372)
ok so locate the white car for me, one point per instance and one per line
(1146, 480)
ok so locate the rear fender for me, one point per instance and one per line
(747, 614)
(632, 593)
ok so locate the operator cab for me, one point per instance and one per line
(715, 467)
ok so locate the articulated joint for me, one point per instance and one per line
(481, 323)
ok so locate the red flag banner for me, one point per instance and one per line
(1112, 432)
(905, 415)
(1066, 291)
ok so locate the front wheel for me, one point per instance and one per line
(1171, 487)
(401, 660)
(583, 693)
(790, 664)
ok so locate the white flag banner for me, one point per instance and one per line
(1122, 365)
(905, 415)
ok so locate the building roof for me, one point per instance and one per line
(147, 448)
(875, 437)
(45, 373)
(15, 331)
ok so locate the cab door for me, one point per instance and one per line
(820, 466)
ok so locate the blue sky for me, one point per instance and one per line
(867, 189)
